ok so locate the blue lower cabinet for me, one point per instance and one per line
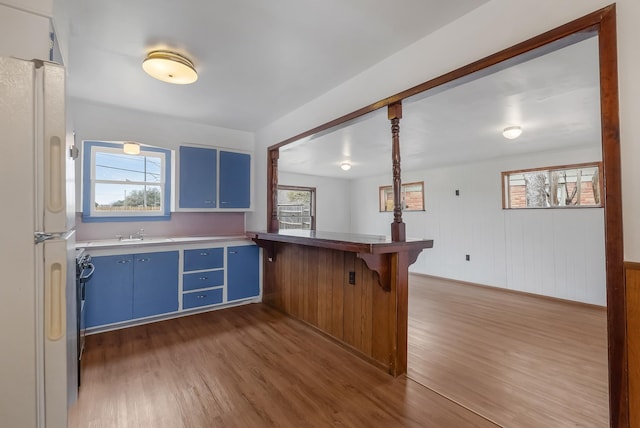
(109, 292)
(155, 283)
(243, 272)
(205, 258)
(205, 279)
(201, 298)
(131, 286)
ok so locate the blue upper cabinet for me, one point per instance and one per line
(235, 180)
(198, 177)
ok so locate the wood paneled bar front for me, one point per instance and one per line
(353, 288)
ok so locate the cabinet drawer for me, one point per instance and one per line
(201, 298)
(194, 281)
(207, 258)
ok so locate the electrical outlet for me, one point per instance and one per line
(468, 257)
(457, 192)
(352, 278)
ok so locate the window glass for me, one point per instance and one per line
(412, 197)
(553, 187)
(296, 207)
(118, 185)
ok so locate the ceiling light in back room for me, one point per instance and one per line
(512, 132)
(346, 166)
(170, 67)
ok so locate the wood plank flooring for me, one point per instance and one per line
(518, 360)
(248, 366)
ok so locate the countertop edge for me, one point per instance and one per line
(99, 244)
(351, 245)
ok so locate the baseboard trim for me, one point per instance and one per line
(518, 292)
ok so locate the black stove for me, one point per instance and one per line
(84, 271)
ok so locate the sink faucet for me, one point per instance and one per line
(138, 235)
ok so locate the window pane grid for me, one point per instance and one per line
(124, 184)
(412, 195)
(553, 187)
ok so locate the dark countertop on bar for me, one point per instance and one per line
(357, 243)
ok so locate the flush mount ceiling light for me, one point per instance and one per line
(346, 166)
(512, 132)
(170, 67)
(131, 148)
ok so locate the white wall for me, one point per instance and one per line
(558, 253)
(39, 7)
(23, 35)
(333, 204)
(104, 123)
(461, 43)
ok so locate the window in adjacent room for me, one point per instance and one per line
(412, 197)
(576, 185)
(125, 187)
(296, 207)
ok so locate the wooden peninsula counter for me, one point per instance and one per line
(353, 288)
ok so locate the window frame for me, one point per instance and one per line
(312, 208)
(381, 201)
(506, 189)
(90, 214)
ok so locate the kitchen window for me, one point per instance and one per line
(565, 186)
(125, 187)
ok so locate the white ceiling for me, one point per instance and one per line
(554, 97)
(257, 60)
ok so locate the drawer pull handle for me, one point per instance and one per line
(143, 260)
(201, 296)
(204, 254)
(123, 261)
(208, 202)
(233, 252)
(203, 278)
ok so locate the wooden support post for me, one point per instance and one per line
(272, 192)
(398, 232)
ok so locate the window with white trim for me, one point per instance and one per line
(125, 187)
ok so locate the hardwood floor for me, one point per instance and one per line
(518, 360)
(248, 366)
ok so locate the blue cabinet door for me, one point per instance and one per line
(235, 180)
(198, 177)
(109, 292)
(155, 279)
(243, 272)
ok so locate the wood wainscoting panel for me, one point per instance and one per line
(312, 284)
(632, 276)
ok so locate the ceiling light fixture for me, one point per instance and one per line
(170, 67)
(131, 148)
(346, 166)
(511, 132)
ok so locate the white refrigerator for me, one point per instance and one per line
(38, 339)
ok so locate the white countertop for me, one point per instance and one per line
(156, 241)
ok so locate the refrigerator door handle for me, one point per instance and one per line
(55, 172)
(55, 279)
